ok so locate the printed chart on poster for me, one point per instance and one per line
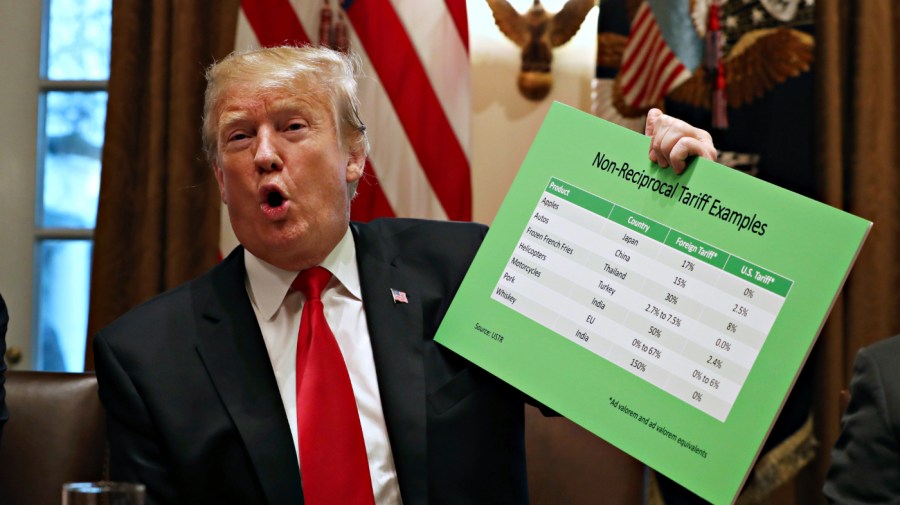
(685, 316)
(668, 314)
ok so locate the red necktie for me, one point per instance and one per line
(333, 457)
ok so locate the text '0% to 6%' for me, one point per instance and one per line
(709, 381)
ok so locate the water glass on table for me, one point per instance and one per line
(103, 493)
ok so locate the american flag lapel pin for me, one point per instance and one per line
(399, 296)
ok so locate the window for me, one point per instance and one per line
(76, 37)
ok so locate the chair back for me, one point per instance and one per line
(55, 434)
(568, 464)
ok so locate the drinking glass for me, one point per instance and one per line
(102, 493)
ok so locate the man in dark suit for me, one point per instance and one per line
(201, 384)
(865, 460)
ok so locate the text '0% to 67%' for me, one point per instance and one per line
(653, 352)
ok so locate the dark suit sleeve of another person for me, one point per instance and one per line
(865, 461)
(4, 322)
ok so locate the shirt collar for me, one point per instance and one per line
(267, 285)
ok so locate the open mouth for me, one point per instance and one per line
(274, 199)
(273, 202)
(270, 195)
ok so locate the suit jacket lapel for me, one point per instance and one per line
(397, 346)
(231, 347)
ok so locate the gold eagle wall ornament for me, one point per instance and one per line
(759, 61)
(763, 48)
(537, 32)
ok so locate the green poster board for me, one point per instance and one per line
(667, 314)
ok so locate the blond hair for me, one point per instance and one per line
(294, 68)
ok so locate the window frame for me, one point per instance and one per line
(42, 234)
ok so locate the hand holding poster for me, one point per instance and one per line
(667, 314)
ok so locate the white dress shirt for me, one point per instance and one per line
(278, 310)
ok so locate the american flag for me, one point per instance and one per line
(399, 296)
(663, 50)
(414, 93)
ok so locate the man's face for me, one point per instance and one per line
(283, 174)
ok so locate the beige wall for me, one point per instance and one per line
(503, 122)
(20, 26)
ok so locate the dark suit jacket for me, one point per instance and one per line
(4, 321)
(865, 461)
(194, 410)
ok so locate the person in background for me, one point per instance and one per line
(865, 460)
(302, 368)
(4, 322)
